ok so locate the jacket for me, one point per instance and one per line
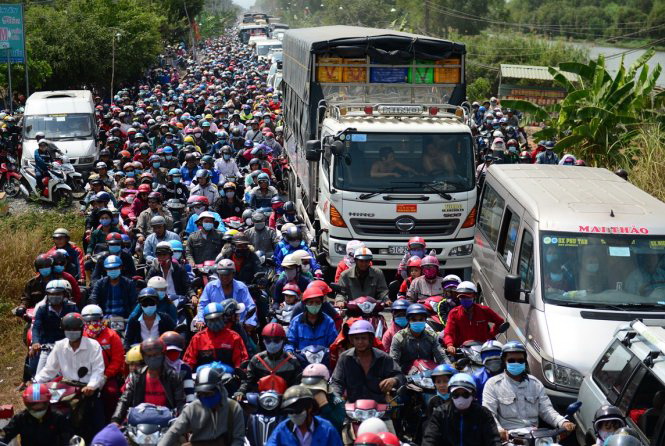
(301, 333)
(245, 267)
(406, 348)
(461, 328)
(75, 256)
(519, 404)
(283, 249)
(213, 292)
(191, 226)
(264, 240)
(35, 289)
(208, 424)
(143, 222)
(46, 327)
(450, 427)
(134, 393)
(373, 285)
(324, 434)
(181, 282)
(128, 268)
(342, 342)
(200, 248)
(481, 377)
(133, 330)
(52, 430)
(99, 236)
(150, 244)
(349, 377)
(207, 346)
(285, 366)
(101, 291)
(226, 209)
(112, 351)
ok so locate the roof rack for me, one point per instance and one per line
(339, 110)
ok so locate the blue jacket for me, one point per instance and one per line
(191, 223)
(213, 293)
(301, 334)
(283, 249)
(41, 161)
(101, 292)
(481, 377)
(46, 328)
(188, 174)
(324, 434)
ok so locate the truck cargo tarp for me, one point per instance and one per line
(382, 46)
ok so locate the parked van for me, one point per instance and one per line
(566, 255)
(67, 118)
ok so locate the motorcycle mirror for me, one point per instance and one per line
(504, 327)
(462, 363)
(335, 287)
(81, 372)
(573, 407)
(270, 262)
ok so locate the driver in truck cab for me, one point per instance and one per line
(386, 165)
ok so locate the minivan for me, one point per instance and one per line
(67, 118)
(567, 254)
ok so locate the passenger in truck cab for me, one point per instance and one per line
(437, 160)
(386, 165)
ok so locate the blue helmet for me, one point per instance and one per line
(444, 370)
(263, 177)
(148, 292)
(481, 109)
(400, 305)
(212, 308)
(112, 262)
(125, 238)
(168, 149)
(176, 245)
(175, 172)
(462, 380)
(491, 348)
(414, 309)
(513, 347)
(102, 196)
(549, 144)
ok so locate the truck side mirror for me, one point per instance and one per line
(512, 290)
(313, 150)
(337, 148)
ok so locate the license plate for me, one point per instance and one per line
(401, 249)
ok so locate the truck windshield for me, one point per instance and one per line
(58, 127)
(405, 163)
(263, 50)
(609, 271)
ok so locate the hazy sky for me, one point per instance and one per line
(244, 3)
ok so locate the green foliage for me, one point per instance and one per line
(479, 90)
(213, 24)
(648, 171)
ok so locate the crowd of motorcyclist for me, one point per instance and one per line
(195, 289)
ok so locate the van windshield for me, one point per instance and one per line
(60, 126)
(405, 163)
(611, 271)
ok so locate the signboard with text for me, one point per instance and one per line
(12, 33)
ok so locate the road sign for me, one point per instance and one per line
(12, 32)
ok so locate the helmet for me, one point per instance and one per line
(462, 381)
(163, 248)
(416, 241)
(361, 326)
(316, 370)
(114, 239)
(207, 379)
(363, 254)
(202, 173)
(607, 413)
(368, 438)
(175, 172)
(112, 262)
(451, 281)
(152, 345)
(173, 340)
(157, 220)
(72, 321)
(240, 239)
(289, 260)
(623, 437)
(300, 255)
(513, 347)
(372, 425)
(416, 309)
(207, 214)
(291, 288)
(312, 293)
(36, 393)
(144, 188)
(60, 232)
(225, 266)
(263, 177)
(389, 439)
(289, 206)
(58, 286)
(297, 398)
(429, 261)
(148, 292)
(197, 200)
(414, 262)
(92, 313)
(273, 330)
(258, 217)
(176, 246)
(292, 233)
(134, 354)
(154, 196)
(467, 287)
(43, 261)
(157, 282)
(400, 305)
(444, 370)
(352, 246)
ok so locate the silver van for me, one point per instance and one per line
(567, 254)
(67, 118)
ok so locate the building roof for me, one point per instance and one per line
(533, 73)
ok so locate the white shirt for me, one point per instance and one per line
(170, 288)
(65, 361)
(147, 333)
(306, 438)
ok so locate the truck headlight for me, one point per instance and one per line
(340, 249)
(562, 376)
(464, 250)
(87, 160)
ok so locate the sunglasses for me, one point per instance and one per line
(515, 361)
(460, 395)
(148, 303)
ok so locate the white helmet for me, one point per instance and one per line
(352, 246)
(372, 425)
(157, 282)
(467, 287)
(91, 312)
(289, 260)
(497, 134)
(59, 285)
(301, 255)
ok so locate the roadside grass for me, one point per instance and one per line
(648, 171)
(24, 236)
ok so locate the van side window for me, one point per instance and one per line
(614, 370)
(489, 221)
(508, 237)
(525, 265)
(647, 401)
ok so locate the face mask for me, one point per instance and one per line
(73, 335)
(39, 414)
(55, 300)
(290, 274)
(259, 226)
(169, 139)
(401, 321)
(168, 157)
(444, 396)
(592, 267)
(556, 277)
(176, 180)
(130, 174)
(105, 221)
(603, 434)
(294, 243)
(150, 311)
(230, 194)
(208, 226)
(306, 268)
(463, 403)
(430, 273)
(417, 327)
(515, 368)
(215, 324)
(197, 135)
(114, 249)
(313, 309)
(248, 221)
(298, 418)
(156, 165)
(94, 328)
(113, 273)
(154, 362)
(290, 217)
(144, 152)
(58, 268)
(161, 294)
(212, 400)
(227, 157)
(177, 255)
(418, 253)
(273, 347)
(466, 303)
(493, 365)
(45, 271)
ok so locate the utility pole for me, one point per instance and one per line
(115, 36)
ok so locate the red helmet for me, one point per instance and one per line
(273, 330)
(320, 284)
(36, 393)
(368, 439)
(416, 241)
(429, 261)
(414, 262)
(525, 155)
(580, 163)
(144, 188)
(312, 292)
(113, 236)
(389, 439)
(198, 199)
(292, 288)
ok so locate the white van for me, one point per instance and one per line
(67, 118)
(566, 255)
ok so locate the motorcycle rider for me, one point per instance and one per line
(312, 327)
(362, 280)
(461, 421)
(134, 360)
(416, 342)
(441, 376)
(289, 215)
(399, 322)
(155, 209)
(330, 407)
(212, 418)
(517, 399)
(229, 204)
(262, 237)
(205, 243)
(62, 240)
(168, 276)
(302, 427)
(154, 384)
(115, 294)
(42, 160)
(414, 270)
(205, 187)
(197, 205)
(548, 156)
(607, 420)
(290, 274)
(244, 257)
(429, 284)
(343, 341)
(114, 244)
(416, 246)
(175, 346)
(292, 241)
(148, 322)
(260, 196)
(173, 188)
(226, 165)
(159, 235)
(469, 321)
(34, 290)
(348, 261)
(490, 353)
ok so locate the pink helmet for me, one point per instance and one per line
(429, 261)
(362, 326)
(316, 371)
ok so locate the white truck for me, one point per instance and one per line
(378, 144)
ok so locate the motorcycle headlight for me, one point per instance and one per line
(367, 307)
(362, 415)
(464, 250)
(315, 357)
(562, 376)
(269, 400)
(423, 381)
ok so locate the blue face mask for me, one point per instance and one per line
(58, 268)
(556, 277)
(150, 311)
(45, 271)
(418, 252)
(466, 303)
(212, 400)
(227, 157)
(168, 157)
(417, 327)
(130, 174)
(515, 368)
(444, 396)
(113, 273)
(401, 321)
(208, 226)
(114, 249)
(156, 165)
(161, 294)
(176, 180)
(105, 221)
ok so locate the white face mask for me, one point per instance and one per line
(306, 268)
(299, 418)
(463, 403)
(290, 274)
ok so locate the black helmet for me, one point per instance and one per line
(289, 206)
(247, 213)
(72, 322)
(43, 261)
(297, 398)
(153, 346)
(208, 379)
(607, 413)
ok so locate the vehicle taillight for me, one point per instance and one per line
(369, 110)
(336, 218)
(470, 219)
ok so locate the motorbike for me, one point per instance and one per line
(186, 312)
(147, 424)
(55, 189)
(10, 179)
(67, 397)
(369, 309)
(433, 319)
(264, 416)
(415, 396)
(73, 178)
(532, 436)
(470, 361)
(360, 411)
(117, 324)
(233, 223)
(177, 209)
(314, 354)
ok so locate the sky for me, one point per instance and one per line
(244, 3)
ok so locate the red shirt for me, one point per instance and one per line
(154, 391)
(460, 328)
(207, 346)
(112, 351)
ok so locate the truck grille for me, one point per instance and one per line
(373, 226)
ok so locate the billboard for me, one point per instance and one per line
(12, 33)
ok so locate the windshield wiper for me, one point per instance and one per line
(429, 185)
(374, 194)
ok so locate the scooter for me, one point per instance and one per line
(369, 309)
(177, 209)
(415, 396)
(55, 189)
(264, 416)
(360, 411)
(314, 354)
(147, 423)
(10, 179)
(433, 319)
(73, 178)
(540, 436)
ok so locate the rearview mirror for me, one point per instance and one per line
(573, 407)
(504, 327)
(337, 148)
(313, 150)
(511, 288)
